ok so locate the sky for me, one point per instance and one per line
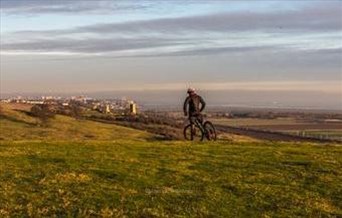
(283, 48)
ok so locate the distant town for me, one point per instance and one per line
(121, 106)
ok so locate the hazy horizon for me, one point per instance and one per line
(215, 98)
(282, 53)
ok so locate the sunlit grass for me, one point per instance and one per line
(169, 178)
(66, 128)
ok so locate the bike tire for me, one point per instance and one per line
(189, 135)
(210, 131)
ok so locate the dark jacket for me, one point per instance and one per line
(193, 105)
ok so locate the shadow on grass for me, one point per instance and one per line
(2, 116)
(36, 159)
(105, 174)
(303, 163)
(161, 138)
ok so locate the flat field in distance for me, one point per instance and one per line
(332, 130)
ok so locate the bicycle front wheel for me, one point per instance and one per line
(193, 133)
(210, 131)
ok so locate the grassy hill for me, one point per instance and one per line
(127, 173)
(16, 124)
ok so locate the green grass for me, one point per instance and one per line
(169, 179)
(330, 133)
(66, 128)
(256, 121)
(79, 168)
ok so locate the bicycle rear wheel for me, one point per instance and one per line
(210, 131)
(193, 133)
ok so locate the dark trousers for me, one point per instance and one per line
(193, 118)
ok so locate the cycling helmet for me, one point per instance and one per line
(191, 90)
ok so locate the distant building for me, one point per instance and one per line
(6, 100)
(107, 109)
(132, 108)
(48, 97)
(34, 102)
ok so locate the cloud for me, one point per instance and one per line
(166, 47)
(175, 46)
(92, 45)
(315, 18)
(205, 34)
(326, 16)
(318, 17)
(222, 50)
(64, 6)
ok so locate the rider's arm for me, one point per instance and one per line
(202, 104)
(186, 102)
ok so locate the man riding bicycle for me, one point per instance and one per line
(193, 106)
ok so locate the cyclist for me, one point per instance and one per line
(193, 106)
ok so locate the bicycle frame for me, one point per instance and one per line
(197, 122)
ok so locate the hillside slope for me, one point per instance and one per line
(18, 125)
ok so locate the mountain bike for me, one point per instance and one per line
(197, 130)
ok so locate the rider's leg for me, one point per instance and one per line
(200, 118)
(192, 122)
(199, 122)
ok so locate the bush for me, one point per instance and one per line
(42, 112)
(75, 110)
